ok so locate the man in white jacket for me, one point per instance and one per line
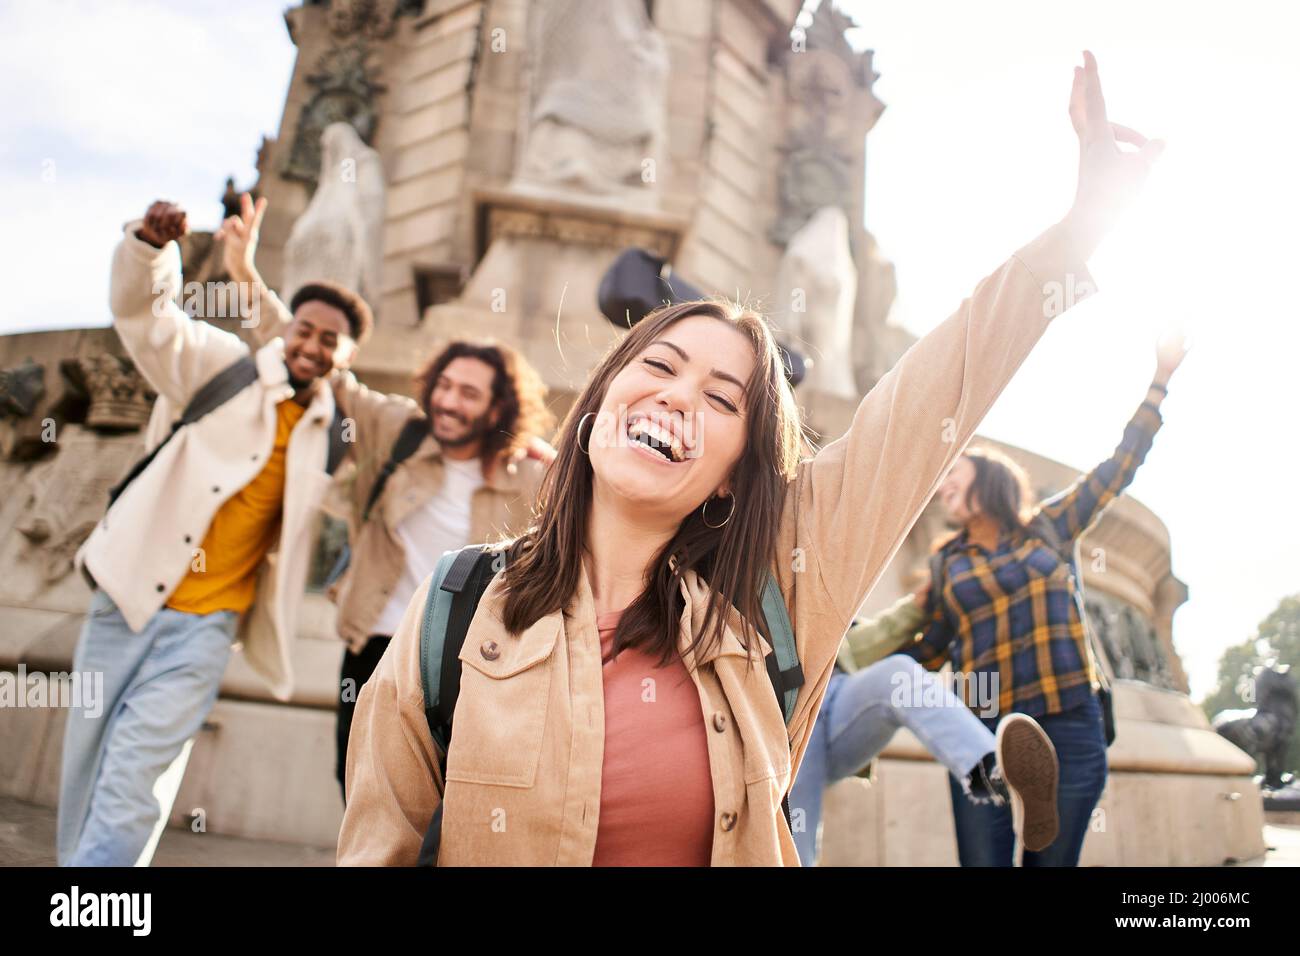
(209, 544)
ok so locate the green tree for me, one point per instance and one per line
(1277, 641)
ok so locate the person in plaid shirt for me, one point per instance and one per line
(1004, 609)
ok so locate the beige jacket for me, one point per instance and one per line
(146, 542)
(501, 508)
(524, 769)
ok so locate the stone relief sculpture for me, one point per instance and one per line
(339, 235)
(1129, 641)
(818, 285)
(598, 73)
(97, 418)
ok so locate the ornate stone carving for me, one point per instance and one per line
(69, 494)
(831, 108)
(598, 76)
(376, 19)
(119, 397)
(819, 284)
(520, 217)
(1129, 641)
(339, 235)
(21, 388)
(346, 86)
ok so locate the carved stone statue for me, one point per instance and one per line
(598, 73)
(819, 284)
(346, 84)
(339, 235)
(1265, 731)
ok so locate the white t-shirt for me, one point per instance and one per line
(441, 524)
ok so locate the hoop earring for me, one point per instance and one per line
(704, 512)
(579, 435)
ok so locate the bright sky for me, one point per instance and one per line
(111, 104)
(974, 155)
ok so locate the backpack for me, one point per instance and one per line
(455, 589)
(214, 393)
(1043, 528)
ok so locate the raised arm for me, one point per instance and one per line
(1071, 511)
(175, 353)
(268, 316)
(853, 503)
(393, 781)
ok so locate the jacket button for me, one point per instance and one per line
(728, 822)
(719, 722)
(490, 650)
(216, 490)
(160, 588)
(188, 539)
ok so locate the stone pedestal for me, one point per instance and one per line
(535, 286)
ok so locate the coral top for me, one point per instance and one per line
(656, 789)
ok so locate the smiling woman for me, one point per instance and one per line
(661, 565)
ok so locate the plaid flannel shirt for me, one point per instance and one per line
(1011, 614)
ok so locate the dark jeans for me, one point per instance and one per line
(357, 669)
(984, 834)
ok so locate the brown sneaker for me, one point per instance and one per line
(1027, 764)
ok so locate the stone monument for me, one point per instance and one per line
(523, 145)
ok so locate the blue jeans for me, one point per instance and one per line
(984, 835)
(858, 717)
(159, 685)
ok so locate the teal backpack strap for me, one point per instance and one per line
(783, 663)
(433, 631)
(457, 584)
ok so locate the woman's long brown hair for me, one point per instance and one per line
(1000, 489)
(543, 565)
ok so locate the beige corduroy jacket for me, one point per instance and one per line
(523, 776)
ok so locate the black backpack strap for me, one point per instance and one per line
(408, 440)
(214, 393)
(338, 446)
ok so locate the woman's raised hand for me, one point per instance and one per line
(1109, 177)
(1171, 349)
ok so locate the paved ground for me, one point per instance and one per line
(27, 839)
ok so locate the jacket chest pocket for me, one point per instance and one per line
(501, 711)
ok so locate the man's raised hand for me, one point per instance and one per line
(163, 222)
(239, 235)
